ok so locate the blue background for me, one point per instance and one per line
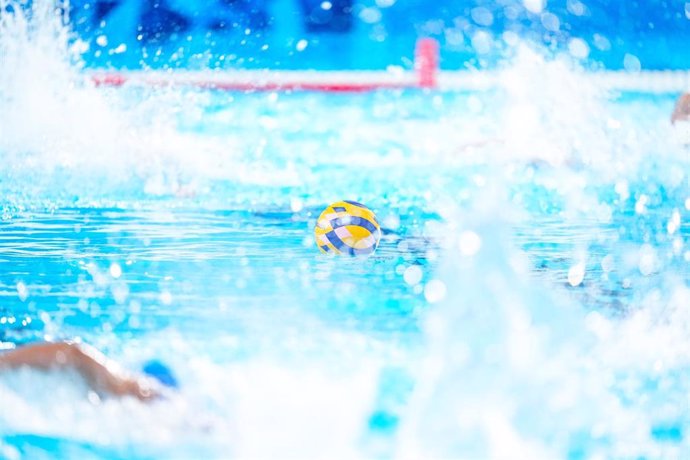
(372, 34)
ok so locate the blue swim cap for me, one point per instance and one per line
(160, 372)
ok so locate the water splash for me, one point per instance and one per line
(521, 366)
(516, 361)
(517, 368)
(48, 108)
(80, 143)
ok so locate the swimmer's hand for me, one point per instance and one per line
(681, 112)
(102, 374)
(142, 388)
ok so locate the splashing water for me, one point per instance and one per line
(515, 368)
(529, 297)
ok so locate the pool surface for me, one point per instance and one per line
(530, 293)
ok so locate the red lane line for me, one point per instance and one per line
(426, 66)
(297, 86)
(115, 79)
(111, 79)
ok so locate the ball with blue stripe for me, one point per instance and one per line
(347, 227)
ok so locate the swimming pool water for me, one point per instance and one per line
(529, 294)
(210, 266)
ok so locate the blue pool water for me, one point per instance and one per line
(529, 296)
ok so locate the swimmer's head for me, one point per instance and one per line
(160, 372)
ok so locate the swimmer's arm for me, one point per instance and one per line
(100, 373)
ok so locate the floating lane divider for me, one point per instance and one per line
(425, 76)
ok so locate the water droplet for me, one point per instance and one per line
(435, 291)
(165, 298)
(22, 291)
(673, 223)
(482, 16)
(482, 42)
(575, 7)
(115, 270)
(296, 204)
(413, 275)
(632, 63)
(550, 22)
(469, 243)
(534, 6)
(578, 48)
(370, 15)
(301, 45)
(576, 274)
(647, 260)
(607, 263)
(641, 204)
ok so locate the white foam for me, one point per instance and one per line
(516, 368)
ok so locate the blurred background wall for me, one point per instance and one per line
(375, 34)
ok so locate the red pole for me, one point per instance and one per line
(426, 60)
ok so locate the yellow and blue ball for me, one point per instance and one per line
(347, 227)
